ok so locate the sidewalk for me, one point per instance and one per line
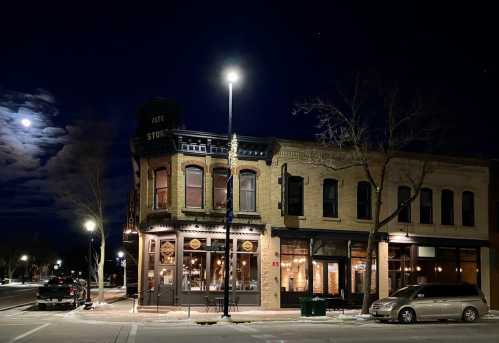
(122, 311)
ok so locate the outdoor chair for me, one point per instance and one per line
(209, 301)
(235, 303)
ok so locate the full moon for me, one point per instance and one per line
(26, 122)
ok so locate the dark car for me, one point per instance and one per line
(61, 291)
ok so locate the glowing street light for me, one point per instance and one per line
(232, 75)
(59, 262)
(24, 258)
(26, 122)
(121, 254)
(90, 225)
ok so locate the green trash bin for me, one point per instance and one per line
(312, 306)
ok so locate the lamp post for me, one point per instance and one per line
(232, 76)
(121, 256)
(24, 258)
(90, 227)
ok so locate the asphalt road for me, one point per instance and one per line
(11, 296)
(30, 325)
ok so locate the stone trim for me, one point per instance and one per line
(186, 164)
(218, 166)
(248, 167)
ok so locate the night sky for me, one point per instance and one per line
(58, 62)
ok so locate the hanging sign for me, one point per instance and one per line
(195, 244)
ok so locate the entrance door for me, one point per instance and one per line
(328, 278)
(160, 269)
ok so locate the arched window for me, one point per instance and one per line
(160, 188)
(330, 198)
(468, 208)
(247, 191)
(219, 188)
(364, 209)
(447, 203)
(403, 196)
(426, 206)
(194, 187)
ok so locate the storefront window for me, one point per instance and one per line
(399, 268)
(217, 266)
(194, 264)
(359, 265)
(468, 265)
(447, 268)
(329, 247)
(294, 265)
(247, 272)
(318, 277)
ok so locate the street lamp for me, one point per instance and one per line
(121, 256)
(90, 227)
(231, 76)
(59, 262)
(24, 258)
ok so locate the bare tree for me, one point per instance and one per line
(77, 176)
(369, 128)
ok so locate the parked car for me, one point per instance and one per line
(431, 302)
(61, 291)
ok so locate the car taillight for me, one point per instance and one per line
(71, 291)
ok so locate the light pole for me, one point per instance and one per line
(232, 76)
(121, 256)
(24, 258)
(90, 227)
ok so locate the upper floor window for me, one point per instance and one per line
(364, 207)
(160, 188)
(193, 187)
(247, 191)
(403, 196)
(447, 203)
(426, 206)
(468, 209)
(295, 195)
(330, 198)
(219, 188)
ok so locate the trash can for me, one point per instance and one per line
(312, 306)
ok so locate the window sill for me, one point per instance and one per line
(218, 212)
(194, 210)
(248, 214)
(364, 221)
(331, 219)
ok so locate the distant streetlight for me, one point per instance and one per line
(56, 266)
(59, 262)
(232, 75)
(24, 258)
(26, 122)
(90, 227)
(121, 255)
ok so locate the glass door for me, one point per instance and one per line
(328, 278)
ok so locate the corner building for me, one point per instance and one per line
(299, 229)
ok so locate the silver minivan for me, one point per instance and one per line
(431, 302)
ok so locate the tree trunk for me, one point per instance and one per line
(366, 287)
(11, 271)
(102, 259)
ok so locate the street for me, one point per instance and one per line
(16, 295)
(27, 324)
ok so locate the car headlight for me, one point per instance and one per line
(389, 306)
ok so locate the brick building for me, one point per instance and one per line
(317, 246)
